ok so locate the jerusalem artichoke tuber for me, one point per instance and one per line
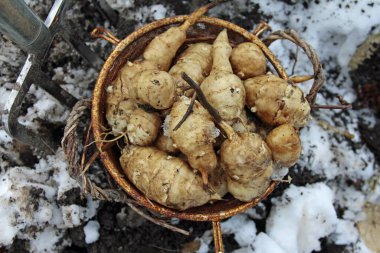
(165, 179)
(248, 60)
(285, 145)
(165, 143)
(195, 61)
(195, 137)
(276, 102)
(224, 90)
(157, 56)
(143, 127)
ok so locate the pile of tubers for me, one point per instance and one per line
(194, 144)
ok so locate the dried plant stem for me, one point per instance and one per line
(260, 28)
(158, 221)
(187, 113)
(213, 112)
(295, 61)
(202, 99)
(300, 79)
(343, 107)
(292, 36)
(325, 125)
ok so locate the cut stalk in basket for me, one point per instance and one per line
(247, 178)
(225, 92)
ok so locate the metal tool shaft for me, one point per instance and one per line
(23, 27)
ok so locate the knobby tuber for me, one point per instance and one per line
(247, 161)
(165, 179)
(224, 90)
(153, 87)
(248, 60)
(163, 47)
(118, 115)
(196, 61)
(143, 127)
(255, 188)
(245, 157)
(195, 137)
(137, 82)
(285, 145)
(165, 143)
(276, 102)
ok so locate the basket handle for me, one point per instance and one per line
(78, 166)
(218, 240)
(318, 75)
(70, 144)
(103, 33)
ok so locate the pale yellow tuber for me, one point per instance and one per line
(163, 48)
(165, 143)
(157, 56)
(248, 60)
(153, 87)
(245, 157)
(255, 188)
(195, 137)
(243, 125)
(143, 127)
(118, 115)
(196, 61)
(165, 179)
(224, 90)
(285, 145)
(248, 163)
(276, 102)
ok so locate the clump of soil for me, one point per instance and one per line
(365, 74)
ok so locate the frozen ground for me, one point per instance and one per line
(333, 180)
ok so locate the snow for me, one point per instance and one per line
(30, 196)
(301, 217)
(242, 227)
(117, 4)
(345, 233)
(158, 10)
(264, 244)
(91, 231)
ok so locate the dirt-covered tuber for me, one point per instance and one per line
(165, 143)
(248, 60)
(165, 179)
(247, 161)
(224, 90)
(144, 80)
(153, 87)
(196, 61)
(143, 127)
(276, 102)
(285, 145)
(195, 137)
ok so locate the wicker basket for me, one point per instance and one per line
(128, 49)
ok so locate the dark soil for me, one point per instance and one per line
(366, 80)
(125, 236)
